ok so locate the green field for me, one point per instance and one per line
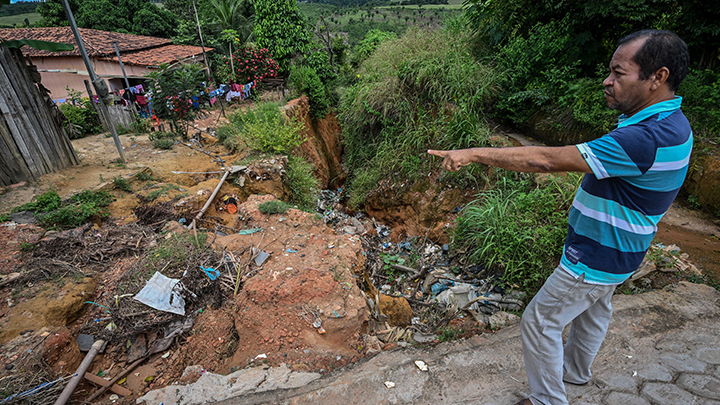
(19, 19)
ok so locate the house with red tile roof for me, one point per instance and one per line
(140, 55)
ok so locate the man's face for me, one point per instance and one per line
(624, 90)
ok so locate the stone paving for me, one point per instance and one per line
(662, 348)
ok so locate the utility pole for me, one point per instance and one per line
(127, 83)
(100, 86)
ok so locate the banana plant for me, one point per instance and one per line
(34, 43)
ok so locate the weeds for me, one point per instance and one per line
(518, 227)
(273, 207)
(162, 191)
(162, 140)
(301, 181)
(264, 129)
(52, 212)
(4, 218)
(144, 176)
(418, 92)
(122, 184)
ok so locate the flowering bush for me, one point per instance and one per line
(248, 64)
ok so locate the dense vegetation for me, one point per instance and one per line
(139, 17)
(21, 7)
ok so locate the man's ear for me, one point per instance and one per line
(659, 77)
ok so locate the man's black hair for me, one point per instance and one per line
(661, 48)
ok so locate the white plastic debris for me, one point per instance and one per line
(261, 356)
(421, 365)
(389, 384)
(159, 293)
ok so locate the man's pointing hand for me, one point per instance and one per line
(453, 160)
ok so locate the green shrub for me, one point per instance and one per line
(265, 129)
(518, 227)
(301, 181)
(46, 202)
(81, 115)
(701, 102)
(142, 125)
(421, 91)
(121, 183)
(165, 143)
(143, 176)
(305, 80)
(51, 212)
(369, 44)
(4, 218)
(273, 207)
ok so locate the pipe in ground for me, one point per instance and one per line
(79, 373)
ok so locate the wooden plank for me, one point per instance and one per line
(54, 131)
(122, 391)
(12, 166)
(11, 107)
(47, 153)
(10, 119)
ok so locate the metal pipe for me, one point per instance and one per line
(210, 200)
(122, 67)
(80, 372)
(91, 72)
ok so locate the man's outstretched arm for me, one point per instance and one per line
(536, 159)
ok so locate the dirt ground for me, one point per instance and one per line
(312, 272)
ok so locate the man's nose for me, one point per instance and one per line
(608, 81)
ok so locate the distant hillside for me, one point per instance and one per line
(21, 7)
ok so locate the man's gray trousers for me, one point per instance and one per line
(563, 299)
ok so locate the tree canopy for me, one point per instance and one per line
(281, 28)
(139, 17)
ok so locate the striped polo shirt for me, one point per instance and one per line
(637, 170)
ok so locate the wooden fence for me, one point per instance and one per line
(33, 140)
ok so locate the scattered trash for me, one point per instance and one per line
(291, 251)
(249, 231)
(421, 365)
(260, 256)
(313, 318)
(159, 293)
(212, 273)
(260, 356)
(389, 384)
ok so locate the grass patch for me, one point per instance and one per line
(273, 207)
(162, 140)
(144, 176)
(53, 213)
(122, 184)
(161, 191)
(421, 91)
(301, 181)
(518, 228)
(46, 202)
(4, 218)
(263, 128)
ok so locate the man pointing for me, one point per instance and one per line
(632, 176)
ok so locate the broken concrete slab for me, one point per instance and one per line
(214, 387)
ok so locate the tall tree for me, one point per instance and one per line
(281, 28)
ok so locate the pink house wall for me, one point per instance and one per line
(73, 72)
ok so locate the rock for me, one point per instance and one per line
(174, 227)
(646, 267)
(502, 319)
(192, 373)
(61, 352)
(372, 345)
(397, 309)
(63, 311)
(211, 388)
